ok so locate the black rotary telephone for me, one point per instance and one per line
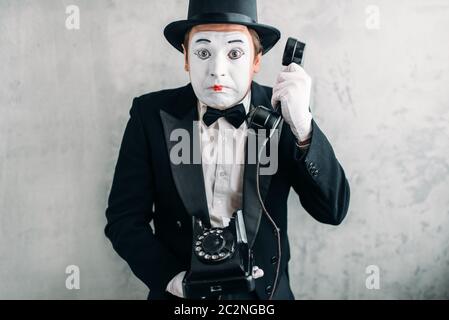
(222, 260)
(262, 117)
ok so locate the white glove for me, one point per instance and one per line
(175, 285)
(293, 89)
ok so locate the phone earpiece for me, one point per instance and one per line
(294, 52)
(262, 117)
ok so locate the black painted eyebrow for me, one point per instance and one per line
(207, 40)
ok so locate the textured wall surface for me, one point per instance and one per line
(380, 94)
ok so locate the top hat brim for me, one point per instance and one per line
(175, 32)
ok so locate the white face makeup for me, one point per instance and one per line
(220, 66)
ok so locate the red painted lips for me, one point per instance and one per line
(217, 88)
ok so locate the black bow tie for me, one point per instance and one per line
(235, 115)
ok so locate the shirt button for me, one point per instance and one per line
(179, 224)
(268, 289)
(222, 174)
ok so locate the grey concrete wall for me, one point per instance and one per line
(380, 94)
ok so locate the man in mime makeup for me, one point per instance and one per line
(223, 46)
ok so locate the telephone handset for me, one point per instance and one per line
(262, 117)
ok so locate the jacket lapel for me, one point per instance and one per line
(188, 177)
(252, 209)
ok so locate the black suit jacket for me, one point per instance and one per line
(147, 187)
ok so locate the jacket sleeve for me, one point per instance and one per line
(130, 210)
(319, 180)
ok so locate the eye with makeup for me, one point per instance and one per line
(236, 53)
(203, 54)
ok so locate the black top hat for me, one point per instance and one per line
(242, 12)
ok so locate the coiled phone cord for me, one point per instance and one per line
(278, 265)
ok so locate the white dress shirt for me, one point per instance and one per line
(223, 160)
